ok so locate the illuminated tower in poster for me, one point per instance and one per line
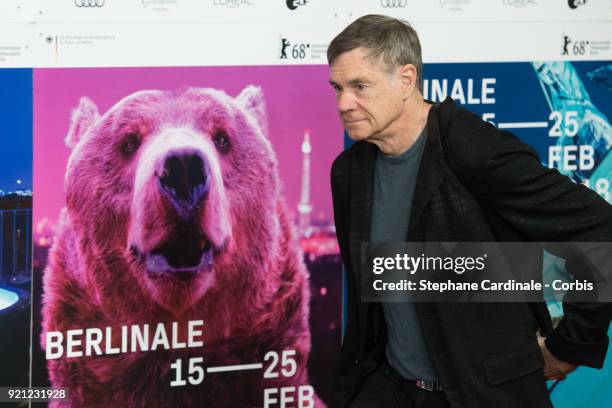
(304, 207)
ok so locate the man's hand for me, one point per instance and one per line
(554, 369)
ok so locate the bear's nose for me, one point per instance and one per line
(185, 180)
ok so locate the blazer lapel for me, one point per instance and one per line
(362, 183)
(431, 174)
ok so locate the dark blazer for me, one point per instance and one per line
(475, 183)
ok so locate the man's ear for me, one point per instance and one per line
(408, 79)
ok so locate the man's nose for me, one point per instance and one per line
(346, 102)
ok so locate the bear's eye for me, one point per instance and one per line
(131, 144)
(221, 140)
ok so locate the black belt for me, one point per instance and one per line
(428, 385)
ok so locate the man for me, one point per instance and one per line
(419, 172)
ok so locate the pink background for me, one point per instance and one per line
(297, 98)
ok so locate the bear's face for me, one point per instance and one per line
(175, 191)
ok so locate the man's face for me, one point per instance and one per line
(369, 98)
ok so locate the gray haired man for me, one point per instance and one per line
(423, 172)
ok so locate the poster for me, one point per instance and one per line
(190, 256)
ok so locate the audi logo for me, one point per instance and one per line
(89, 3)
(393, 3)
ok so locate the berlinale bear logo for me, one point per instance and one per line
(573, 4)
(294, 4)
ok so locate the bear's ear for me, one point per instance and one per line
(252, 99)
(82, 118)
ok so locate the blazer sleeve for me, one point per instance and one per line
(549, 207)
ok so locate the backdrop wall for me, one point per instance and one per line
(108, 84)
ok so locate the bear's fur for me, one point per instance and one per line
(252, 292)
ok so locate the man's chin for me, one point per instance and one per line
(357, 135)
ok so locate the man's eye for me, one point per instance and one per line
(361, 87)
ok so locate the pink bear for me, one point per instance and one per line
(174, 212)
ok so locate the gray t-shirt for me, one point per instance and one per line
(394, 183)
